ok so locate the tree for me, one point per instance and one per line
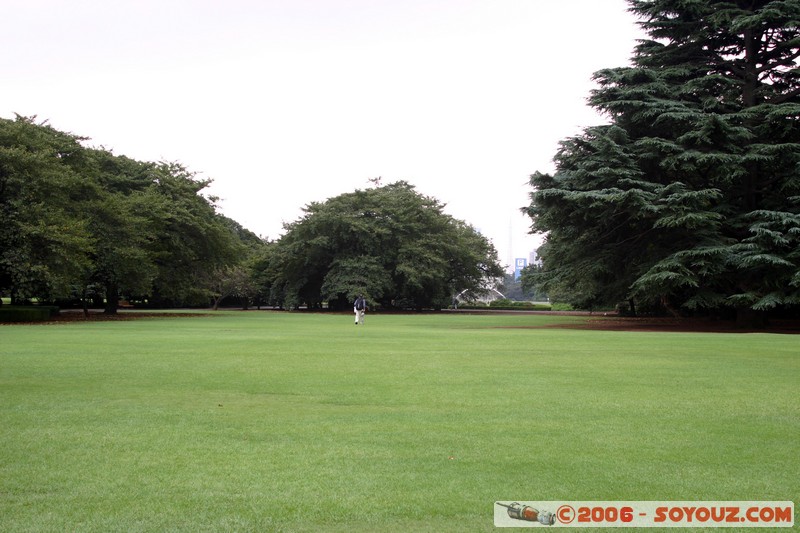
(231, 281)
(42, 238)
(390, 243)
(191, 239)
(77, 220)
(690, 198)
(513, 289)
(118, 210)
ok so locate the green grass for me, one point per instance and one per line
(266, 421)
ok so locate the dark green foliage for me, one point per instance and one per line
(389, 243)
(79, 222)
(191, 241)
(28, 313)
(41, 238)
(691, 196)
(511, 305)
(514, 290)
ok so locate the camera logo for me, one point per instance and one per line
(527, 513)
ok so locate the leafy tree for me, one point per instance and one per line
(156, 237)
(231, 281)
(118, 211)
(514, 290)
(42, 239)
(258, 265)
(76, 221)
(389, 242)
(690, 198)
(191, 240)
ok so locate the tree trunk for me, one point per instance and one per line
(112, 299)
(668, 306)
(85, 304)
(751, 57)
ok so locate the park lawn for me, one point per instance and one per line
(271, 421)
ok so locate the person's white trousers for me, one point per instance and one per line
(359, 315)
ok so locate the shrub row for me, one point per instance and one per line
(27, 313)
(510, 305)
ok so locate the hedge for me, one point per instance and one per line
(27, 313)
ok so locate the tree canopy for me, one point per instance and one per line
(83, 223)
(689, 200)
(390, 243)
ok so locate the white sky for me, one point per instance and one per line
(285, 102)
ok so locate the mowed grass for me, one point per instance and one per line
(266, 421)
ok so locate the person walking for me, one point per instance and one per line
(359, 307)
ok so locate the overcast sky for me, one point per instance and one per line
(285, 102)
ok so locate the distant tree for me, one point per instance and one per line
(388, 242)
(690, 199)
(230, 281)
(515, 290)
(258, 265)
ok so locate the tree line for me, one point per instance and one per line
(687, 201)
(82, 224)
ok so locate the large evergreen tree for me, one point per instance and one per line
(690, 198)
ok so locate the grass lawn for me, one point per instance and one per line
(267, 421)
